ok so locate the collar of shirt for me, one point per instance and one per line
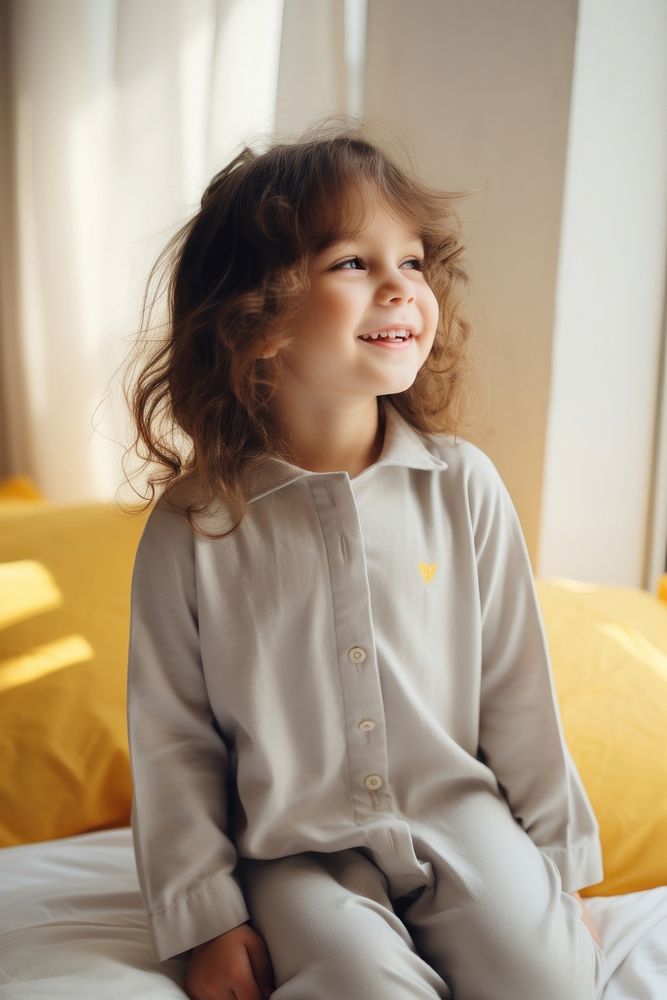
(402, 445)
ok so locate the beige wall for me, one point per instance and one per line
(481, 92)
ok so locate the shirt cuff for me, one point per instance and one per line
(211, 909)
(579, 865)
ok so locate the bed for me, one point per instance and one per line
(72, 923)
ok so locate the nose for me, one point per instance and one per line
(395, 288)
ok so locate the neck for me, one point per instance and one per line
(340, 440)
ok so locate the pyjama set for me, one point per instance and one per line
(343, 728)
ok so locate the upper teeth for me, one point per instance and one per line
(392, 334)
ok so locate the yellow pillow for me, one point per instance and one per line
(609, 652)
(19, 488)
(65, 575)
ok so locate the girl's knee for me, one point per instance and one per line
(570, 977)
(356, 955)
(492, 949)
(562, 962)
(332, 931)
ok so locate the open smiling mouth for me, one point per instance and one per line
(396, 343)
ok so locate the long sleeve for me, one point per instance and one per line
(521, 734)
(179, 760)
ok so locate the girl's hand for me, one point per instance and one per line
(233, 966)
(588, 920)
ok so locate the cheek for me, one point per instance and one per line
(328, 310)
(340, 302)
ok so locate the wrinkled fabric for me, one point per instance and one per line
(361, 655)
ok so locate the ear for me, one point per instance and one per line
(268, 346)
(269, 351)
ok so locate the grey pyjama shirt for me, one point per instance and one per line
(363, 657)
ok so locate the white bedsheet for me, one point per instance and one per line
(72, 927)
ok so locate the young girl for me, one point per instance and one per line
(350, 775)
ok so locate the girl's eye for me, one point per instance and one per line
(417, 262)
(344, 263)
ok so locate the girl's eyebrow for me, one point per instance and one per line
(342, 240)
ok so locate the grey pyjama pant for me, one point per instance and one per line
(407, 916)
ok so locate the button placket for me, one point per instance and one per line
(365, 732)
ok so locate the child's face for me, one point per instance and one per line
(358, 286)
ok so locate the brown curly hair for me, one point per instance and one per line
(237, 272)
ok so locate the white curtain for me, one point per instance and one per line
(118, 113)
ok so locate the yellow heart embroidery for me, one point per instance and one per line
(427, 570)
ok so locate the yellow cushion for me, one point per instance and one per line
(19, 488)
(609, 654)
(65, 574)
(18, 494)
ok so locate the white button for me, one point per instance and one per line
(367, 725)
(356, 654)
(373, 781)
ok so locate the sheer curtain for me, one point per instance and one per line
(118, 112)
